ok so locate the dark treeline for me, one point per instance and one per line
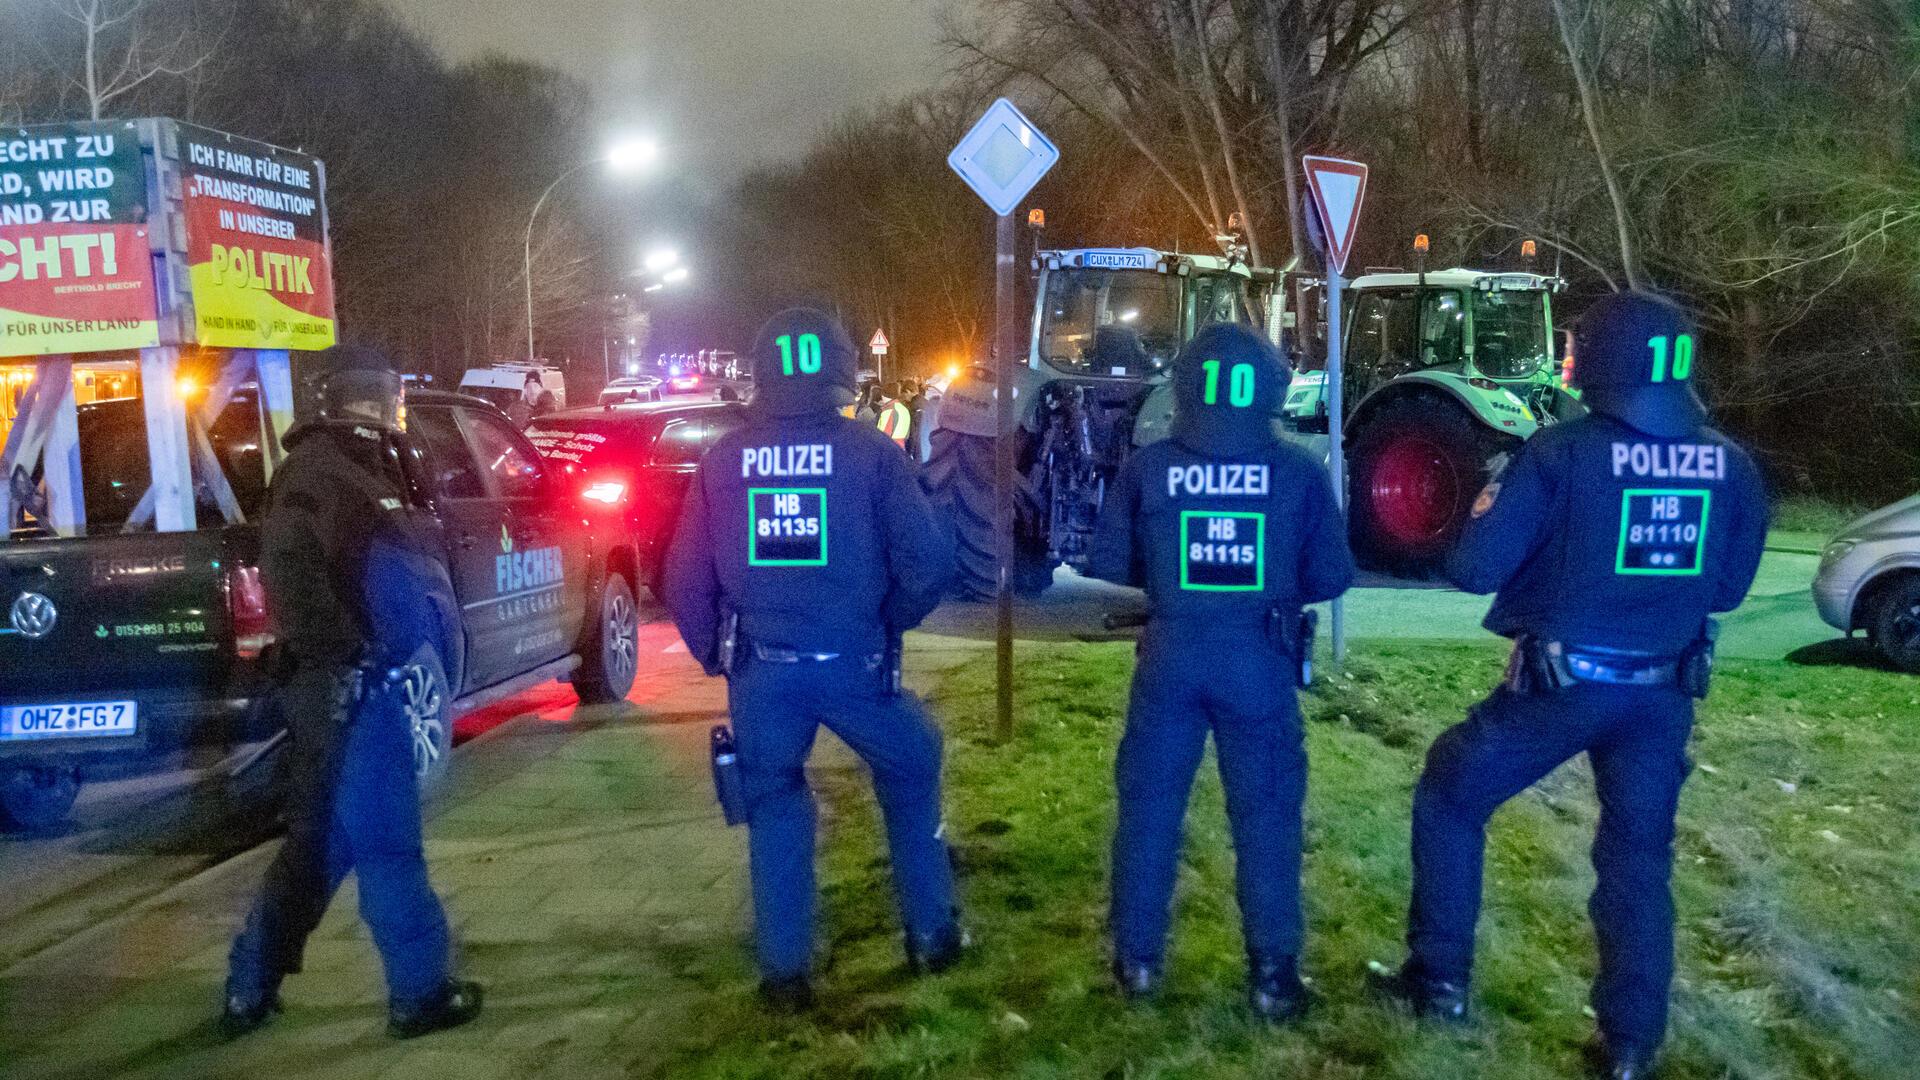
(431, 167)
(1756, 157)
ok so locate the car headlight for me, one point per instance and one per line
(1836, 551)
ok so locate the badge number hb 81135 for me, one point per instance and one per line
(787, 527)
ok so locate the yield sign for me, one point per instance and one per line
(879, 344)
(1339, 187)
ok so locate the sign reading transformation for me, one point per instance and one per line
(76, 269)
(257, 251)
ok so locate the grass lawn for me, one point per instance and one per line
(1809, 514)
(1798, 883)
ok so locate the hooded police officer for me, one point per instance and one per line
(1608, 541)
(1230, 531)
(338, 541)
(804, 550)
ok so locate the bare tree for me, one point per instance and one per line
(126, 43)
(1574, 33)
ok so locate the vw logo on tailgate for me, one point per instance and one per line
(33, 615)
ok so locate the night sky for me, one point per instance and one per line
(723, 83)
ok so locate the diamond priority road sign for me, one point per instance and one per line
(1003, 157)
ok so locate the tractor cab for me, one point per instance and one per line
(1445, 374)
(1107, 323)
(1122, 313)
(1487, 336)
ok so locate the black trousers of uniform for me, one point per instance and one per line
(1636, 741)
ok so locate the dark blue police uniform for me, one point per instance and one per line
(1230, 531)
(810, 532)
(338, 544)
(1609, 541)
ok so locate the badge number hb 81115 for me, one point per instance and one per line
(1223, 551)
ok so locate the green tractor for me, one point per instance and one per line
(1106, 325)
(1446, 373)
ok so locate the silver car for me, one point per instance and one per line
(1869, 580)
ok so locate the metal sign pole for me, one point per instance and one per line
(1006, 337)
(1336, 440)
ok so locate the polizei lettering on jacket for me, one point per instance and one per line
(517, 571)
(812, 459)
(1218, 479)
(1670, 461)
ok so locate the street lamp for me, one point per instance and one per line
(660, 259)
(675, 276)
(630, 156)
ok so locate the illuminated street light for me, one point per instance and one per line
(675, 276)
(632, 155)
(660, 259)
(627, 156)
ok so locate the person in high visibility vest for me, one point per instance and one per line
(896, 419)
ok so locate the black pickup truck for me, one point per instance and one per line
(123, 643)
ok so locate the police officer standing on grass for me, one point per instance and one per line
(1231, 532)
(805, 549)
(338, 543)
(1608, 541)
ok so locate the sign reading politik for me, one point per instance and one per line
(76, 268)
(257, 250)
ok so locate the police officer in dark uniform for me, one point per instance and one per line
(1609, 541)
(1230, 531)
(338, 542)
(804, 550)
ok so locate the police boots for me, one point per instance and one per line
(1274, 989)
(243, 1017)
(789, 994)
(931, 954)
(1425, 996)
(457, 1003)
(1138, 981)
(1619, 1062)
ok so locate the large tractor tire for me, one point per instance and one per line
(959, 477)
(1416, 468)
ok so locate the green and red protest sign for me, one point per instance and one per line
(76, 267)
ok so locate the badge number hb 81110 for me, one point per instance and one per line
(1663, 531)
(1223, 551)
(787, 527)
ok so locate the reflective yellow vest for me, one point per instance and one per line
(896, 421)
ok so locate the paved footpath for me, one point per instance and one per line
(586, 870)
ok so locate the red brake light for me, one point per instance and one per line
(247, 607)
(609, 492)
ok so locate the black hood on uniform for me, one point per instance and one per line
(803, 362)
(1237, 416)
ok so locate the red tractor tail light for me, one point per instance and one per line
(247, 607)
